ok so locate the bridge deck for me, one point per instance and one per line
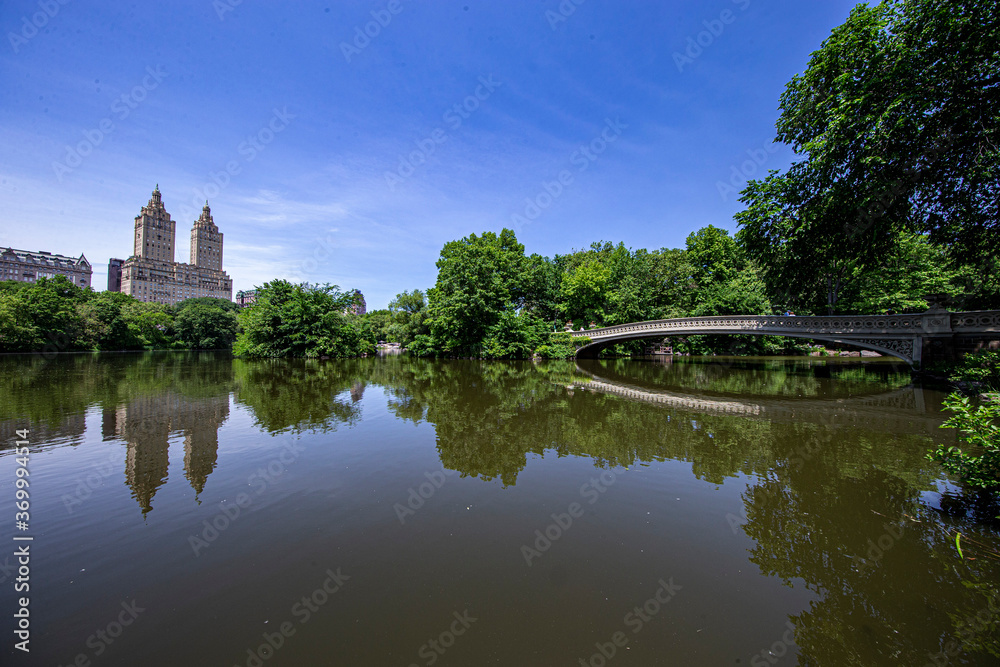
(896, 335)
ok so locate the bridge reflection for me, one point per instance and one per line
(903, 409)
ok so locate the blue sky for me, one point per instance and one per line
(331, 155)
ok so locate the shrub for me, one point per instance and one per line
(977, 428)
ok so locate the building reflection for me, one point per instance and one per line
(68, 429)
(147, 423)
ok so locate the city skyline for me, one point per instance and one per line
(333, 157)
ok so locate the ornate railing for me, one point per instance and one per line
(894, 334)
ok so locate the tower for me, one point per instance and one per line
(154, 231)
(206, 242)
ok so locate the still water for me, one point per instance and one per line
(192, 509)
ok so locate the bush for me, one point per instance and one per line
(514, 336)
(561, 346)
(206, 326)
(422, 346)
(977, 428)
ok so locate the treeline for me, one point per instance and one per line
(54, 315)
(491, 300)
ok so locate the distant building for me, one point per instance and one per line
(359, 307)
(115, 274)
(26, 266)
(151, 274)
(246, 298)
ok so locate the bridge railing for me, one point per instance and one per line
(929, 323)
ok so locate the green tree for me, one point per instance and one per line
(376, 325)
(17, 328)
(915, 270)
(52, 304)
(104, 325)
(543, 280)
(300, 320)
(798, 236)
(410, 303)
(151, 323)
(899, 131)
(514, 336)
(714, 255)
(672, 284)
(479, 279)
(205, 326)
(584, 291)
(408, 317)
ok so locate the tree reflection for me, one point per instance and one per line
(300, 395)
(837, 503)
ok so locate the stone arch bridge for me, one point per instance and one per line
(916, 339)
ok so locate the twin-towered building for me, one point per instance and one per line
(151, 274)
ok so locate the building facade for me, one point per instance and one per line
(115, 274)
(26, 266)
(245, 298)
(151, 274)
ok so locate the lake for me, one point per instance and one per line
(193, 509)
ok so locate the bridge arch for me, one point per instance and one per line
(592, 350)
(900, 336)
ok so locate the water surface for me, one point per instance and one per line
(187, 508)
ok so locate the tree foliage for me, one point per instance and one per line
(300, 320)
(479, 279)
(897, 122)
(55, 315)
(978, 463)
(206, 327)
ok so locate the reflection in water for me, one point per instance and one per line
(146, 425)
(832, 454)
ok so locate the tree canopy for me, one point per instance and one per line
(300, 320)
(896, 121)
